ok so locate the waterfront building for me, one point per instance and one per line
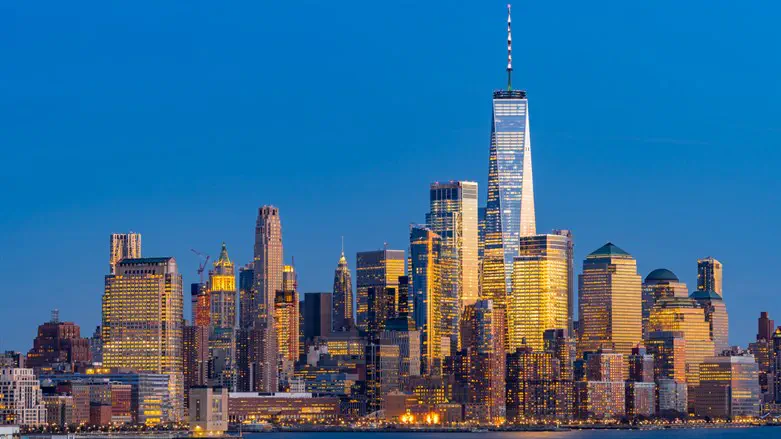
(659, 284)
(510, 204)
(379, 269)
(640, 399)
(729, 388)
(58, 347)
(609, 299)
(535, 389)
(482, 337)
(282, 407)
(21, 400)
(142, 321)
(684, 316)
(673, 397)
(342, 314)
(424, 250)
(123, 246)
(59, 409)
(709, 275)
(150, 402)
(208, 413)
(453, 216)
(716, 315)
(268, 280)
(600, 399)
(541, 290)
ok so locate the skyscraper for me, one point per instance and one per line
(121, 246)
(195, 352)
(541, 290)
(424, 250)
(222, 292)
(248, 308)
(453, 216)
(142, 321)
(510, 205)
(268, 280)
(343, 296)
(709, 275)
(659, 284)
(609, 298)
(716, 315)
(380, 269)
(287, 320)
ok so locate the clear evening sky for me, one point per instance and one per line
(654, 126)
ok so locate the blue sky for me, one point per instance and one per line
(654, 126)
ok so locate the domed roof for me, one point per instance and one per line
(661, 274)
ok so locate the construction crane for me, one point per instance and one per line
(201, 266)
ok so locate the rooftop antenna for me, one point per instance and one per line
(55, 315)
(342, 245)
(509, 51)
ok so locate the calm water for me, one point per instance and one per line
(709, 433)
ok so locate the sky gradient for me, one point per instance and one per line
(653, 126)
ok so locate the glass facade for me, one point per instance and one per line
(343, 296)
(376, 269)
(424, 249)
(709, 275)
(510, 204)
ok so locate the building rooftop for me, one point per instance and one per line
(609, 249)
(661, 274)
(138, 261)
(510, 94)
(704, 295)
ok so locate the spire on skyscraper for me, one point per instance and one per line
(509, 51)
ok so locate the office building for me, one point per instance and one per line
(709, 275)
(123, 246)
(424, 249)
(284, 407)
(379, 269)
(729, 388)
(660, 284)
(716, 315)
(195, 353)
(609, 299)
(268, 280)
(287, 321)
(21, 400)
(248, 305)
(208, 414)
(342, 313)
(482, 332)
(142, 322)
(58, 347)
(541, 290)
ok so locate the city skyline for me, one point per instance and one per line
(315, 256)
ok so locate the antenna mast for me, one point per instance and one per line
(509, 52)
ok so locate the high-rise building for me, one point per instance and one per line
(609, 298)
(765, 327)
(195, 354)
(201, 304)
(541, 290)
(123, 246)
(287, 321)
(716, 315)
(222, 292)
(268, 280)
(482, 329)
(424, 250)
(248, 307)
(21, 400)
(343, 296)
(659, 284)
(379, 269)
(453, 216)
(58, 347)
(684, 316)
(535, 388)
(729, 388)
(510, 204)
(709, 275)
(317, 315)
(603, 393)
(142, 321)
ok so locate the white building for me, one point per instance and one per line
(21, 401)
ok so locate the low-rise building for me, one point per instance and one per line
(21, 399)
(292, 407)
(208, 411)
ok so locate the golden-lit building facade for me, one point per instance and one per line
(222, 292)
(541, 290)
(268, 269)
(729, 388)
(142, 322)
(483, 331)
(659, 284)
(684, 316)
(379, 269)
(287, 321)
(669, 351)
(535, 389)
(424, 250)
(453, 216)
(716, 315)
(609, 298)
(342, 317)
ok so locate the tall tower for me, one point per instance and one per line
(660, 284)
(709, 275)
(378, 269)
(453, 216)
(541, 290)
(510, 205)
(123, 245)
(268, 280)
(222, 292)
(343, 296)
(609, 298)
(142, 321)
(424, 250)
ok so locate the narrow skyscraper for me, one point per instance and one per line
(510, 205)
(222, 318)
(709, 275)
(123, 245)
(609, 298)
(268, 280)
(424, 250)
(343, 296)
(376, 269)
